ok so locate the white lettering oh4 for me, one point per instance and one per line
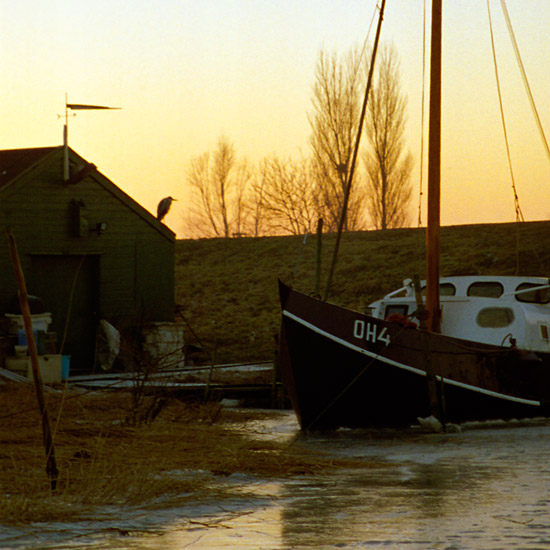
(371, 332)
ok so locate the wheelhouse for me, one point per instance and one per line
(493, 310)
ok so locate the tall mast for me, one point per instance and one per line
(434, 174)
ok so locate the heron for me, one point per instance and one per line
(163, 207)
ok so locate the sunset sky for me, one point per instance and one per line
(185, 72)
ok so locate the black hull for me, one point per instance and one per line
(342, 368)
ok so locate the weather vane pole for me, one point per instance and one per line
(74, 107)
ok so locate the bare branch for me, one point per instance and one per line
(220, 185)
(388, 165)
(288, 195)
(336, 106)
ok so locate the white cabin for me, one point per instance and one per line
(487, 309)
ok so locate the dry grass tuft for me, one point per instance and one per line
(104, 461)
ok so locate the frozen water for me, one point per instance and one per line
(484, 488)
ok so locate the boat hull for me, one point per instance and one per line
(342, 368)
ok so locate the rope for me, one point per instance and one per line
(466, 350)
(519, 214)
(524, 76)
(361, 55)
(355, 152)
(349, 385)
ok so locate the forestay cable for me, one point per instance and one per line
(519, 214)
(524, 76)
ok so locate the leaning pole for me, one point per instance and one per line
(51, 466)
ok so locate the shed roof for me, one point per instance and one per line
(15, 162)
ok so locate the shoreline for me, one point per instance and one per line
(106, 456)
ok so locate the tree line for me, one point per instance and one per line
(229, 197)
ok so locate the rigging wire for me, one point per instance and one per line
(524, 76)
(375, 11)
(519, 214)
(422, 108)
(355, 153)
(533, 108)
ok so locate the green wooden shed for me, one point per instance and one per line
(88, 250)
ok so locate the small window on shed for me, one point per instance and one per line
(495, 317)
(445, 289)
(487, 289)
(540, 296)
(544, 332)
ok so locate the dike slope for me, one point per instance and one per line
(226, 289)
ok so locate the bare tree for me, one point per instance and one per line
(223, 163)
(388, 165)
(219, 184)
(257, 222)
(337, 94)
(242, 197)
(289, 196)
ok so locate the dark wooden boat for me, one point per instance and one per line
(486, 357)
(344, 368)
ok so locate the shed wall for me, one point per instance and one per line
(135, 259)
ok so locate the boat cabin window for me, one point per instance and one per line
(445, 289)
(495, 317)
(486, 289)
(400, 309)
(540, 296)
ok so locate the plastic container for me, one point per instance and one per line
(40, 321)
(65, 366)
(50, 367)
(39, 339)
(20, 350)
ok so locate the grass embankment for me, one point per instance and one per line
(227, 288)
(102, 460)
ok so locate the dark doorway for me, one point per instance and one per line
(69, 288)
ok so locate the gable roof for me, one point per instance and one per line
(15, 162)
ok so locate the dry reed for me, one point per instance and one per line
(104, 461)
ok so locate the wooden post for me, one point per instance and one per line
(51, 466)
(211, 371)
(274, 372)
(421, 313)
(435, 394)
(317, 287)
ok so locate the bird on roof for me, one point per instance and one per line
(163, 207)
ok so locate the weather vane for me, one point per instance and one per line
(75, 107)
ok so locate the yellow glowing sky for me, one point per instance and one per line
(187, 71)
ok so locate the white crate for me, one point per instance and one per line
(40, 321)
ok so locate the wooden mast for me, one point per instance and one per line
(434, 171)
